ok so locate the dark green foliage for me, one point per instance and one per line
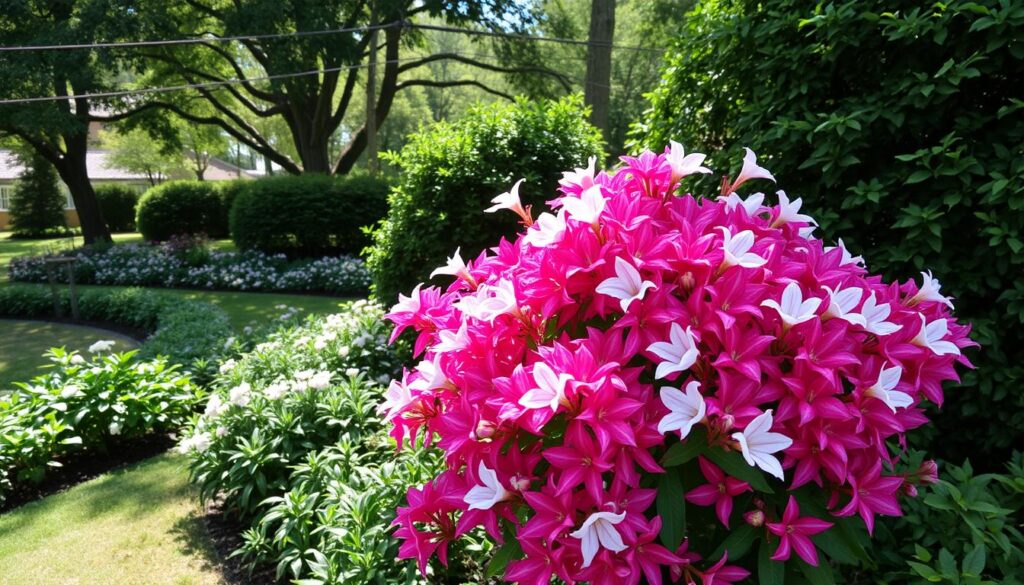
(181, 208)
(450, 172)
(901, 124)
(307, 215)
(37, 206)
(228, 191)
(117, 203)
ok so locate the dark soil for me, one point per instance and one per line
(226, 535)
(86, 464)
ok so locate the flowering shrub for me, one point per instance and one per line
(644, 385)
(84, 402)
(167, 265)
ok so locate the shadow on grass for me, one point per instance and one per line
(193, 540)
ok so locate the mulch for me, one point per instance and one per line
(225, 533)
(86, 464)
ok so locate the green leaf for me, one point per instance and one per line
(820, 575)
(738, 543)
(974, 562)
(672, 509)
(918, 176)
(685, 451)
(734, 464)
(510, 550)
(769, 572)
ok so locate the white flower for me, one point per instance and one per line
(321, 380)
(69, 391)
(227, 366)
(737, 249)
(344, 350)
(77, 360)
(686, 409)
(484, 497)
(304, 374)
(550, 390)
(547, 230)
(758, 444)
(411, 303)
(509, 200)
(490, 301)
(679, 353)
(583, 178)
(682, 164)
(200, 442)
(875, 316)
(842, 302)
(789, 211)
(587, 207)
(102, 345)
(626, 285)
(883, 389)
(275, 390)
(114, 428)
(846, 258)
(750, 171)
(431, 375)
(929, 291)
(794, 309)
(599, 530)
(751, 204)
(222, 431)
(240, 395)
(454, 267)
(215, 407)
(448, 341)
(352, 372)
(397, 397)
(931, 336)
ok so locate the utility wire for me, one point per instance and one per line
(405, 24)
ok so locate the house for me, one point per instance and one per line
(100, 172)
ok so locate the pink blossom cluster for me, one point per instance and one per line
(559, 369)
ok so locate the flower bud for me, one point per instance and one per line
(519, 483)
(726, 422)
(754, 517)
(485, 429)
(687, 281)
(928, 472)
(909, 490)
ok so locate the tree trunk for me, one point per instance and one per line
(74, 172)
(599, 62)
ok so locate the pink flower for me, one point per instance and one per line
(719, 491)
(871, 494)
(794, 533)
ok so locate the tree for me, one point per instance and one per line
(137, 152)
(58, 130)
(599, 62)
(312, 107)
(37, 208)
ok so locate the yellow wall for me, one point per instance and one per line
(70, 216)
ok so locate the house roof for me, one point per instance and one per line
(100, 169)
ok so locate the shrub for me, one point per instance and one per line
(180, 208)
(117, 203)
(900, 116)
(184, 262)
(647, 382)
(228, 191)
(449, 172)
(86, 403)
(308, 215)
(37, 206)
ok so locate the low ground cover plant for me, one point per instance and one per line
(189, 263)
(650, 386)
(83, 402)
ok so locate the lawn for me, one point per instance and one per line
(137, 526)
(22, 344)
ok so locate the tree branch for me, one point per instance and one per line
(487, 66)
(453, 83)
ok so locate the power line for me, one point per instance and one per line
(364, 29)
(196, 40)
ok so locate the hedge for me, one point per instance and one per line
(307, 215)
(180, 208)
(117, 203)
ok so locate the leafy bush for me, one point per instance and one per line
(183, 263)
(37, 206)
(449, 172)
(292, 444)
(308, 215)
(117, 203)
(966, 530)
(897, 115)
(191, 333)
(180, 208)
(84, 403)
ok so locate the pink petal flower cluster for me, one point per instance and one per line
(557, 370)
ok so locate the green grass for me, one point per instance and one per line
(22, 344)
(137, 526)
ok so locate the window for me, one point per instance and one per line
(5, 196)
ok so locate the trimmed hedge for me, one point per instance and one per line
(307, 215)
(117, 203)
(451, 171)
(182, 208)
(902, 122)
